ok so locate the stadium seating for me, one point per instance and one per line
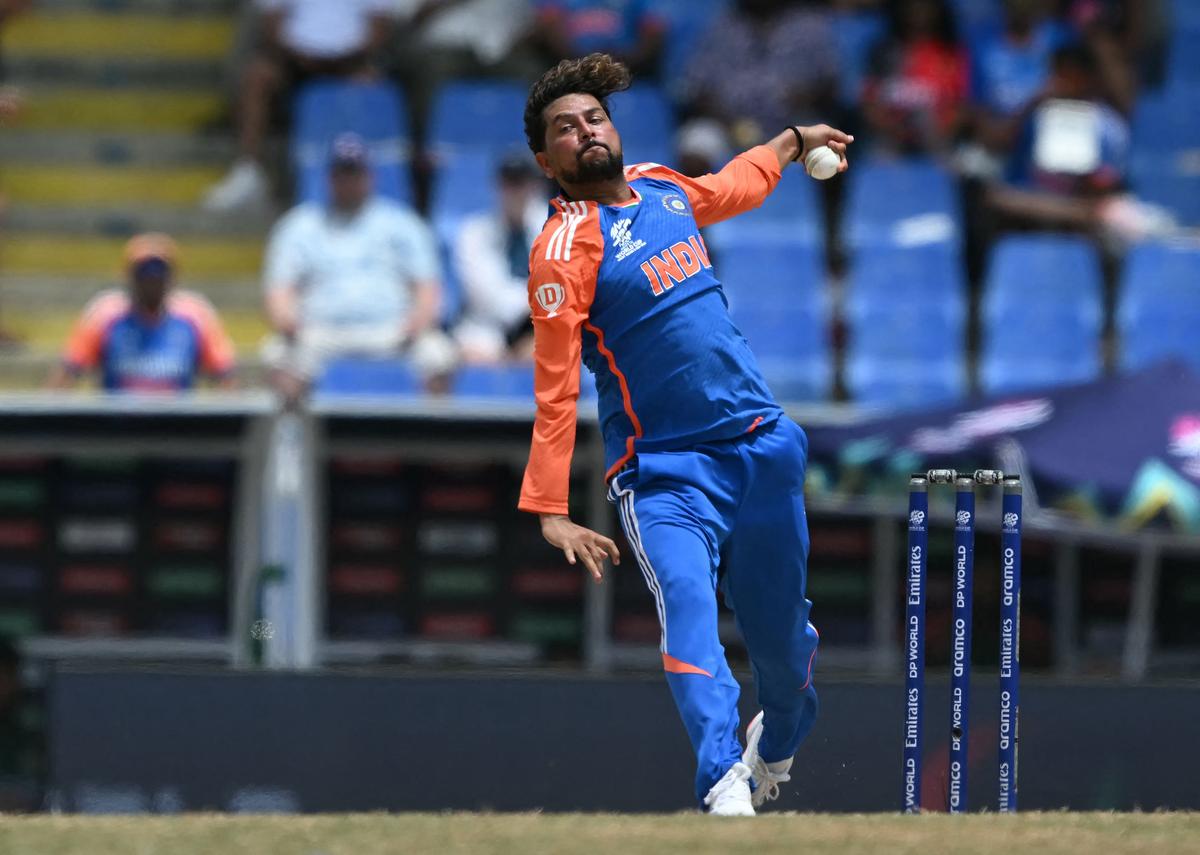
(791, 214)
(1159, 310)
(906, 315)
(646, 120)
(354, 375)
(1165, 164)
(687, 22)
(901, 202)
(1042, 313)
(856, 34)
(495, 381)
(375, 111)
(485, 115)
(465, 184)
(777, 299)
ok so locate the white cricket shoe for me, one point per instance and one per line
(730, 796)
(243, 187)
(767, 776)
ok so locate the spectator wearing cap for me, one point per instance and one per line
(491, 258)
(150, 336)
(299, 40)
(358, 275)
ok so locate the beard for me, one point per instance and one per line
(596, 168)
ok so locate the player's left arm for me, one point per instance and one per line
(217, 356)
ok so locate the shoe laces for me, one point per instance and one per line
(768, 782)
(737, 773)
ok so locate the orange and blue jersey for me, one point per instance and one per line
(135, 353)
(629, 291)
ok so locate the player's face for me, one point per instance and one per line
(582, 145)
(149, 283)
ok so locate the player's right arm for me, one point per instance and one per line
(562, 279)
(746, 181)
(85, 344)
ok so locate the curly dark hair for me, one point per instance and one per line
(596, 74)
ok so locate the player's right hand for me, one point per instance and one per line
(579, 543)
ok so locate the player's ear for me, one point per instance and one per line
(543, 162)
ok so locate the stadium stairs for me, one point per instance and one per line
(119, 134)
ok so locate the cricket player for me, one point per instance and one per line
(703, 465)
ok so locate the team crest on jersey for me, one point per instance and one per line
(673, 203)
(623, 240)
(550, 297)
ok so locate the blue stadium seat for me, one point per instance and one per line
(1167, 179)
(1042, 314)
(478, 114)
(376, 111)
(906, 315)
(494, 381)
(1167, 120)
(770, 272)
(856, 34)
(908, 385)
(646, 120)
(928, 273)
(465, 184)
(1158, 315)
(587, 385)
(901, 202)
(354, 375)
(687, 23)
(791, 214)
(777, 299)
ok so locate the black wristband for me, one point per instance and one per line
(799, 142)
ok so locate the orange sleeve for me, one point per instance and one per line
(562, 280)
(85, 342)
(216, 348)
(743, 184)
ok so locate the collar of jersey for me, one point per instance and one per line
(637, 198)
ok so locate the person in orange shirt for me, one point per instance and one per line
(704, 466)
(148, 337)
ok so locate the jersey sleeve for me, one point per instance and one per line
(562, 280)
(85, 342)
(743, 184)
(216, 357)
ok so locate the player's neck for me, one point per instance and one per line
(614, 191)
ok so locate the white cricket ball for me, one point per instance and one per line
(822, 162)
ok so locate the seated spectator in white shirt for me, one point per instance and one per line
(491, 258)
(357, 276)
(298, 41)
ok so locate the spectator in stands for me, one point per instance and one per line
(359, 276)
(491, 257)
(776, 46)
(915, 94)
(1107, 27)
(299, 40)
(149, 337)
(440, 40)
(1010, 69)
(1071, 158)
(629, 30)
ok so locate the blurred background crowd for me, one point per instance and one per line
(337, 192)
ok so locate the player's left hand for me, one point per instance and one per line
(579, 543)
(819, 135)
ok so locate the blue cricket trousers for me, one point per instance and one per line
(738, 504)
